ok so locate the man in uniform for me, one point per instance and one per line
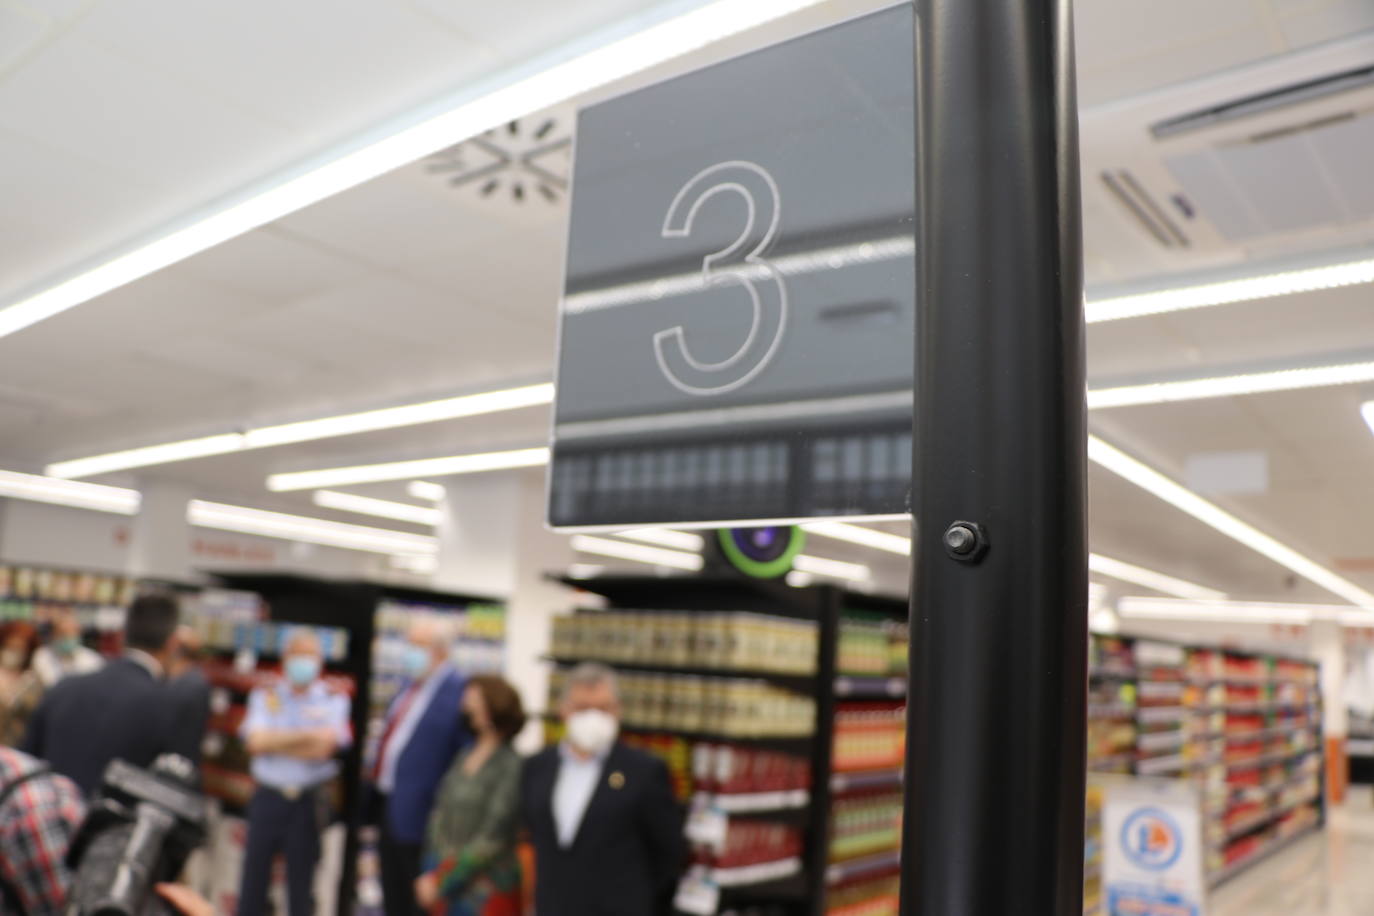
(293, 730)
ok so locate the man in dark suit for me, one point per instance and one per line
(422, 734)
(606, 829)
(124, 711)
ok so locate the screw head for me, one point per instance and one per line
(960, 539)
(965, 541)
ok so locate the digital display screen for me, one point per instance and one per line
(737, 332)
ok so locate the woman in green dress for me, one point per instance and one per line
(471, 865)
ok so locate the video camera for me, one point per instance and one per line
(141, 831)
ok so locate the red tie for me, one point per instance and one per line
(402, 707)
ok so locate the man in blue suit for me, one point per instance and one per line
(422, 735)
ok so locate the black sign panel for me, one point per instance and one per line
(738, 320)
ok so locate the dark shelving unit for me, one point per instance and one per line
(805, 893)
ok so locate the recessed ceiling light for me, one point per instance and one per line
(404, 470)
(665, 537)
(1227, 385)
(637, 553)
(832, 569)
(468, 405)
(530, 86)
(1180, 497)
(1229, 611)
(244, 520)
(1139, 575)
(100, 498)
(423, 489)
(382, 508)
(1224, 292)
(858, 534)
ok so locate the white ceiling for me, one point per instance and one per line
(118, 118)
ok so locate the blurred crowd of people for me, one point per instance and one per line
(453, 799)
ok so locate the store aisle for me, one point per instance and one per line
(1328, 874)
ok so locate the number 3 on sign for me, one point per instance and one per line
(741, 263)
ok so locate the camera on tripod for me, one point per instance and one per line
(139, 833)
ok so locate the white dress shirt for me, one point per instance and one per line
(572, 792)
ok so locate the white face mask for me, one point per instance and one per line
(592, 731)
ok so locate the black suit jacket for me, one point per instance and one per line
(119, 712)
(629, 850)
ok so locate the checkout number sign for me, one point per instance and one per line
(742, 263)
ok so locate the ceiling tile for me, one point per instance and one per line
(276, 267)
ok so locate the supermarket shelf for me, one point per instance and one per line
(1260, 735)
(1250, 824)
(798, 743)
(1113, 672)
(762, 873)
(755, 802)
(1110, 711)
(1153, 715)
(791, 680)
(866, 686)
(1162, 741)
(1269, 849)
(1173, 763)
(859, 868)
(1268, 760)
(869, 779)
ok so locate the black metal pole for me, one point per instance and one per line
(996, 727)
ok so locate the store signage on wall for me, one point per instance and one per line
(737, 328)
(1154, 856)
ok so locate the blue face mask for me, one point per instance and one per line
(415, 660)
(302, 670)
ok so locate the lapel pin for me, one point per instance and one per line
(617, 780)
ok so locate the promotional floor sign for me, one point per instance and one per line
(1154, 856)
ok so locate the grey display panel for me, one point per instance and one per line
(736, 334)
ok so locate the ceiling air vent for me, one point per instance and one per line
(521, 161)
(1143, 207)
(1266, 102)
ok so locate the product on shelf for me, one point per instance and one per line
(869, 736)
(727, 707)
(864, 824)
(1242, 725)
(736, 640)
(1092, 852)
(865, 897)
(872, 646)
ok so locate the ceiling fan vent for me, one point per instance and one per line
(525, 160)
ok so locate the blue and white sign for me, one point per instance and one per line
(1154, 861)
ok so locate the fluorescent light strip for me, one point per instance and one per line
(833, 569)
(638, 553)
(665, 537)
(404, 470)
(244, 520)
(420, 563)
(382, 508)
(533, 86)
(100, 498)
(857, 534)
(423, 489)
(1227, 385)
(1178, 496)
(1225, 611)
(1139, 575)
(1264, 286)
(1367, 411)
(468, 405)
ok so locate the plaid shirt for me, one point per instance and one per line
(37, 823)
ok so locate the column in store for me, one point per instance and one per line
(1328, 649)
(493, 542)
(160, 536)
